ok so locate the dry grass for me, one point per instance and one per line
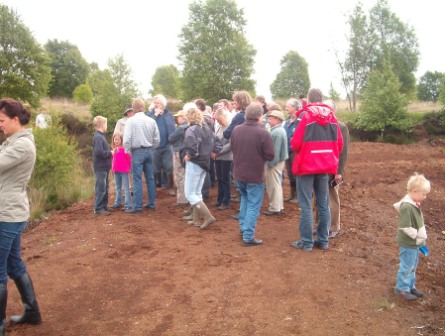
(65, 105)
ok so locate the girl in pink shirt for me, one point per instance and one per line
(121, 168)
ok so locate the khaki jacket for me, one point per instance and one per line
(17, 158)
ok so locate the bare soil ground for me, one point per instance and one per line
(151, 274)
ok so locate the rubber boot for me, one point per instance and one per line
(171, 185)
(205, 213)
(188, 214)
(196, 218)
(3, 301)
(31, 314)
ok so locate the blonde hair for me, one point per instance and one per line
(195, 116)
(138, 105)
(117, 134)
(220, 113)
(243, 99)
(99, 121)
(418, 182)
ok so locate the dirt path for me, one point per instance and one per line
(151, 274)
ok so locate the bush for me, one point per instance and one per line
(83, 94)
(434, 122)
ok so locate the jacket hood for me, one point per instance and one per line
(406, 199)
(26, 133)
(322, 113)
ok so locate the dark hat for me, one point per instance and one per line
(128, 109)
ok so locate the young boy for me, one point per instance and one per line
(102, 156)
(411, 235)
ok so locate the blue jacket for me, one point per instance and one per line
(238, 119)
(166, 125)
(101, 153)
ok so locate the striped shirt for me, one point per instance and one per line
(140, 131)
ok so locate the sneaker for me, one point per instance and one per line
(405, 295)
(115, 206)
(321, 246)
(300, 245)
(252, 242)
(416, 292)
(235, 216)
(103, 212)
(134, 211)
(223, 207)
(334, 234)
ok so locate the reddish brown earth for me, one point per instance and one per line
(151, 274)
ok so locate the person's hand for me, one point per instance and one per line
(338, 178)
(158, 111)
(213, 155)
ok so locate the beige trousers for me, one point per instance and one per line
(178, 173)
(274, 187)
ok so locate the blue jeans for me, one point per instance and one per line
(10, 247)
(194, 179)
(101, 191)
(223, 169)
(163, 159)
(318, 184)
(142, 162)
(251, 200)
(406, 276)
(119, 180)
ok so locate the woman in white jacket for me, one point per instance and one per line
(17, 158)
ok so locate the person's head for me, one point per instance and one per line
(230, 106)
(180, 117)
(201, 104)
(128, 111)
(273, 106)
(138, 105)
(13, 116)
(220, 116)
(418, 187)
(292, 106)
(118, 139)
(331, 104)
(261, 99)
(314, 95)
(100, 123)
(241, 100)
(194, 116)
(215, 107)
(275, 118)
(254, 111)
(187, 107)
(159, 102)
(43, 110)
(224, 104)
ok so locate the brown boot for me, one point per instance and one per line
(205, 213)
(196, 218)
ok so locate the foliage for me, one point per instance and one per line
(359, 57)
(83, 94)
(217, 59)
(25, 73)
(442, 92)
(398, 42)
(166, 80)
(112, 89)
(55, 163)
(333, 94)
(68, 68)
(293, 78)
(434, 122)
(384, 107)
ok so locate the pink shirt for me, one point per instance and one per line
(121, 161)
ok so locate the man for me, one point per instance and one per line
(120, 125)
(334, 197)
(292, 106)
(141, 136)
(163, 155)
(252, 146)
(262, 101)
(274, 168)
(317, 144)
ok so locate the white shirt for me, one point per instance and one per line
(140, 131)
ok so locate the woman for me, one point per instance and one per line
(199, 143)
(17, 158)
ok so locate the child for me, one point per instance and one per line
(411, 235)
(121, 169)
(101, 164)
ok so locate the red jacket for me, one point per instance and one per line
(317, 141)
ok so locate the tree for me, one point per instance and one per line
(216, 57)
(384, 106)
(68, 68)
(24, 69)
(83, 94)
(396, 42)
(333, 94)
(429, 85)
(293, 79)
(166, 81)
(442, 92)
(359, 57)
(113, 89)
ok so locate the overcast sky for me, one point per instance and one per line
(146, 33)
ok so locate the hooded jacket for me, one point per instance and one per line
(317, 141)
(17, 159)
(411, 232)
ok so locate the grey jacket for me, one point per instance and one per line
(226, 152)
(17, 159)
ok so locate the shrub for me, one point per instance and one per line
(83, 94)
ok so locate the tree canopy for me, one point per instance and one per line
(216, 57)
(24, 69)
(68, 68)
(293, 78)
(429, 87)
(166, 81)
